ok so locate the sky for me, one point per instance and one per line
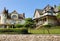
(26, 6)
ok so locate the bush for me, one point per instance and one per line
(13, 31)
(24, 31)
(29, 23)
(18, 25)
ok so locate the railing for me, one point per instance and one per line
(39, 23)
(42, 23)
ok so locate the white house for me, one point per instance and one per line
(46, 16)
(7, 18)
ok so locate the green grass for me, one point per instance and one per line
(44, 31)
(52, 30)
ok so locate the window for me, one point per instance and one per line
(44, 19)
(14, 16)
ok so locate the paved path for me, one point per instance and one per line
(32, 37)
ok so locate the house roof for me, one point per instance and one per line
(15, 12)
(47, 6)
(39, 10)
(21, 16)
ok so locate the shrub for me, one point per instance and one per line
(13, 31)
(24, 31)
(29, 23)
(18, 25)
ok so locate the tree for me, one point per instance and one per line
(29, 23)
(58, 16)
(59, 7)
(47, 27)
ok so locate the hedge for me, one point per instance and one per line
(13, 31)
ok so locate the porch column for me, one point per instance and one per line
(12, 26)
(7, 26)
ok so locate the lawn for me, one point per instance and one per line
(44, 31)
(52, 30)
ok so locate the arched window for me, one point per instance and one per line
(14, 16)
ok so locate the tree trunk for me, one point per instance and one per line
(48, 31)
(43, 31)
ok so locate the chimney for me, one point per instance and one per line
(24, 15)
(54, 6)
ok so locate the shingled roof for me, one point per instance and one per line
(15, 12)
(39, 10)
(21, 16)
(47, 6)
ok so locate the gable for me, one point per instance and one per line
(22, 16)
(14, 12)
(37, 14)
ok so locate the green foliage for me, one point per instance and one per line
(19, 25)
(58, 7)
(29, 19)
(47, 26)
(58, 16)
(13, 31)
(29, 23)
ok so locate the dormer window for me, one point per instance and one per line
(14, 17)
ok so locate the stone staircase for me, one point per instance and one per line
(38, 26)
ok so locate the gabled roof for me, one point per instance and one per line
(21, 16)
(15, 12)
(47, 6)
(39, 10)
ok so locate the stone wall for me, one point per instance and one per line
(29, 37)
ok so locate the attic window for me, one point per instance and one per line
(14, 16)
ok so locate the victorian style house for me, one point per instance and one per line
(46, 16)
(9, 19)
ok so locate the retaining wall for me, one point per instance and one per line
(29, 37)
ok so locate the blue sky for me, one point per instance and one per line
(26, 6)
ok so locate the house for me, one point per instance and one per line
(46, 16)
(9, 19)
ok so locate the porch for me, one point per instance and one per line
(6, 26)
